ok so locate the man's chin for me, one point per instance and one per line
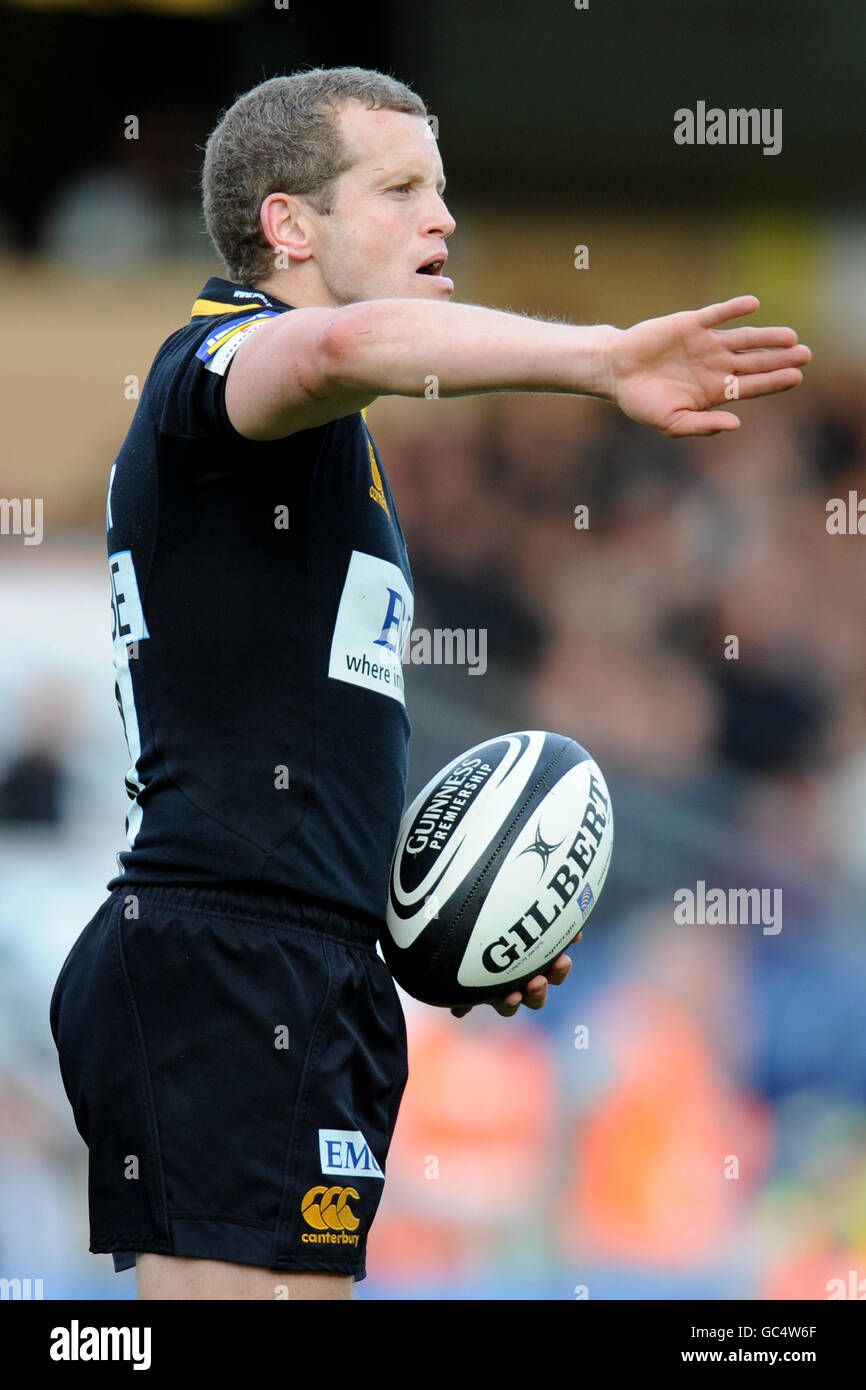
(439, 284)
(415, 290)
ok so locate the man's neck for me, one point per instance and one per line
(286, 286)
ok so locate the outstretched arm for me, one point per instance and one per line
(310, 366)
(666, 372)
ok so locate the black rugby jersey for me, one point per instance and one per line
(262, 603)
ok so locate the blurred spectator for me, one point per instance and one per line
(137, 203)
(33, 783)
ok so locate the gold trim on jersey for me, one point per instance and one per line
(377, 492)
(206, 308)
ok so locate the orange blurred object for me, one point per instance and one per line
(663, 1161)
(472, 1155)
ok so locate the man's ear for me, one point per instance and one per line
(287, 225)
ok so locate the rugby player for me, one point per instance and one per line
(231, 1042)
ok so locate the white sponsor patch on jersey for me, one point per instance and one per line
(371, 632)
(346, 1153)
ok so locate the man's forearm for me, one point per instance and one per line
(395, 346)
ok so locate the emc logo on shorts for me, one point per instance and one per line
(346, 1153)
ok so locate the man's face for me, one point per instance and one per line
(389, 217)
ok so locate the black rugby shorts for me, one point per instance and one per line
(235, 1065)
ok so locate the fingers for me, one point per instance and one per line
(714, 314)
(766, 383)
(508, 1007)
(697, 422)
(559, 970)
(763, 372)
(738, 338)
(536, 993)
(771, 360)
(535, 996)
(686, 423)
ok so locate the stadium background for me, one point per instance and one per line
(524, 1164)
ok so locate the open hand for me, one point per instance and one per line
(668, 372)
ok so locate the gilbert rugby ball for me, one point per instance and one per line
(499, 862)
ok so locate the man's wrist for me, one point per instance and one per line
(604, 373)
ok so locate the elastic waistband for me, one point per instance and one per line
(259, 906)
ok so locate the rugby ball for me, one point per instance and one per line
(498, 864)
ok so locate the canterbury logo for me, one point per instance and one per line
(327, 1209)
(376, 490)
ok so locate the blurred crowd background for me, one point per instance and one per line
(687, 1116)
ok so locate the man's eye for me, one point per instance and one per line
(399, 187)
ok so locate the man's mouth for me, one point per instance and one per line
(431, 267)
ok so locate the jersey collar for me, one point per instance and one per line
(220, 296)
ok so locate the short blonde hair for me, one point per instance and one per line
(284, 137)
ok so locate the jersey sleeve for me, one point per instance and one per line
(191, 385)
